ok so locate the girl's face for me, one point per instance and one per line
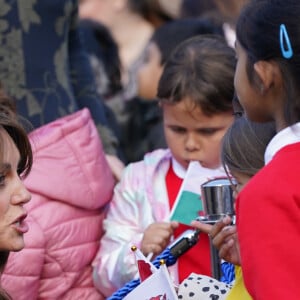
(252, 101)
(191, 135)
(242, 85)
(13, 196)
(149, 72)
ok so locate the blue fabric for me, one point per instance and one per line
(42, 62)
(228, 272)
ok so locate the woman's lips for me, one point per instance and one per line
(20, 225)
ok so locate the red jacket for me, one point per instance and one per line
(268, 222)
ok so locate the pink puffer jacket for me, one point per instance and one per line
(71, 184)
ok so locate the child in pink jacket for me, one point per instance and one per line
(71, 184)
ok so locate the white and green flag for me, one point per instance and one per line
(188, 204)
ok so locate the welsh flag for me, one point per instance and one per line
(188, 204)
(158, 286)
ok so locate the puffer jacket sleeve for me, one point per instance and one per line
(23, 275)
(115, 265)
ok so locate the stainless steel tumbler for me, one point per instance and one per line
(217, 200)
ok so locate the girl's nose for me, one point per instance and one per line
(191, 143)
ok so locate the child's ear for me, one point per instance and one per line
(267, 73)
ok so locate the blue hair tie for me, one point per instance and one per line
(285, 43)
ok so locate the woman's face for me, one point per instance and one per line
(13, 196)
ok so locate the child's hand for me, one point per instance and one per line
(157, 237)
(206, 228)
(224, 238)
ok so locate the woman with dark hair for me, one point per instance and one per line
(15, 164)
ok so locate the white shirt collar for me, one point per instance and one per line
(178, 169)
(286, 136)
(230, 35)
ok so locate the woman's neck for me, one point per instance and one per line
(131, 34)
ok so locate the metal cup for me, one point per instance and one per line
(217, 199)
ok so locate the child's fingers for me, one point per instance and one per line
(206, 228)
(226, 233)
(226, 248)
(174, 224)
(219, 225)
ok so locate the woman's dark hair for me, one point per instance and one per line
(244, 145)
(20, 139)
(258, 32)
(171, 34)
(3, 260)
(202, 69)
(12, 123)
